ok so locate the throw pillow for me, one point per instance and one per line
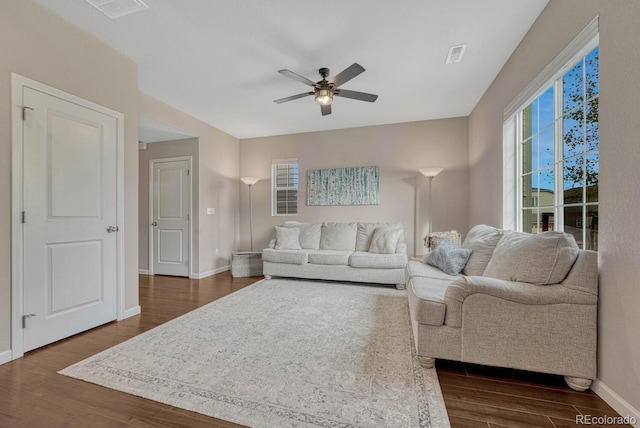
(309, 234)
(385, 240)
(545, 258)
(366, 231)
(448, 258)
(287, 238)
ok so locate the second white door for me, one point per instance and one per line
(171, 215)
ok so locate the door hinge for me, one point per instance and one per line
(187, 172)
(25, 318)
(24, 217)
(24, 111)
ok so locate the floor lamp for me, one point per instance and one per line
(430, 172)
(250, 181)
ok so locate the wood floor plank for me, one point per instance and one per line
(457, 422)
(510, 402)
(561, 423)
(32, 394)
(538, 392)
(491, 415)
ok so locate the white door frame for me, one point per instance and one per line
(152, 162)
(18, 82)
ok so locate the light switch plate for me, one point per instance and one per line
(211, 211)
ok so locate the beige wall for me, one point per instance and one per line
(218, 164)
(162, 150)
(399, 150)
(560, 22)
(40, 46)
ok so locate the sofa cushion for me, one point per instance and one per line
(426, 300)
(309, 234)
(287, 238)
(415, 268)
(385, 240)
(481, 240)
(329, 257)
(297, 257)
(448, 258)
(338, 236)
(545, 258)
(366, 231)
(364, 259)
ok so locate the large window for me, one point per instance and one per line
(557, 143)
(284, 183)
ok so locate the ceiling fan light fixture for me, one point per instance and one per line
(324, 97)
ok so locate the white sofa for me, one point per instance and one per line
(522, 301)
(359, 252)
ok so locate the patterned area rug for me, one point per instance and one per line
(283, 353)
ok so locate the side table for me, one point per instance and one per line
(246, 263)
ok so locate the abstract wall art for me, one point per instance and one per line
(343, 186)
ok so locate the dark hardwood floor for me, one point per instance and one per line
(32, 394)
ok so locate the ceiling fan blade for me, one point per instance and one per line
(362, 96)
(326, 109)
(292, 97)
(296, 76)
(347, 74)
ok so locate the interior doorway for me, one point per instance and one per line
(170, 216)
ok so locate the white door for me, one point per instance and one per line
(69, 202)
(170, 214)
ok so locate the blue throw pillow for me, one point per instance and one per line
(448, 258)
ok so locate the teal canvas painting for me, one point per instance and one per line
(343, 186)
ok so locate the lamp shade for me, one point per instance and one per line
(430, 171)
(250, 181)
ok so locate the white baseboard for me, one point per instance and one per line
(615, 401)
(131, 312)
(5, 356)
(210, 272)
(144, 272)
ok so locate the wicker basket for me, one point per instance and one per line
(432, 239)
(246, 264)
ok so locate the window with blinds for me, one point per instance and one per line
(284, 181)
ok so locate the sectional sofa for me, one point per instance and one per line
(360, 252)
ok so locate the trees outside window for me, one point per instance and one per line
(558, 140)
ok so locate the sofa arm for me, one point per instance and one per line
(464, 287)
(518, 292)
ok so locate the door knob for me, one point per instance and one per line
(112, 229)
(155, 223)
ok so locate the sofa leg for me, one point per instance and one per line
(426, 362)
(578, 383)
(401, 286)
(267, 277)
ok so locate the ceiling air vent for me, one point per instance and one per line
(455, 54)
(118, 8)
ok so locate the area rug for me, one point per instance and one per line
(283, 353)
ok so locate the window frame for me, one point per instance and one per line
(551, 76)
(275, 163)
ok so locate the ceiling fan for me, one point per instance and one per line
(325, 90)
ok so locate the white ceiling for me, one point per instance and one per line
(218, 60)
